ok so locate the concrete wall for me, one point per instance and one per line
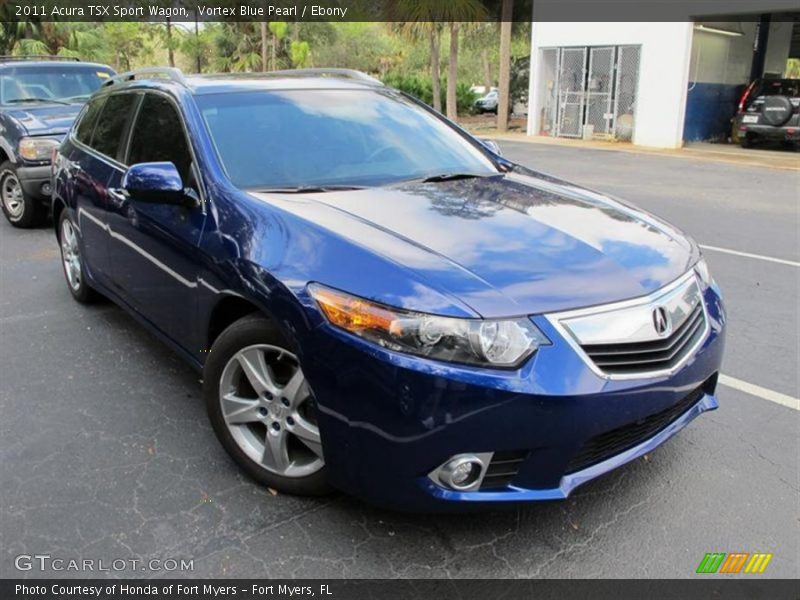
(663, 71)
(780, 39)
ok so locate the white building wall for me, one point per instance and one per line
(663, 72)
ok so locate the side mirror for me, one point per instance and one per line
(492, 146)
(156, 182)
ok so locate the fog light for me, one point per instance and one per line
(45, 189)
(462, 472)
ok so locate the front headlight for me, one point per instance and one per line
(701, 268)
(37, 148)
(489, 343)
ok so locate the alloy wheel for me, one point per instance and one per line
(270, 412)
(13, 199)
(70, 255)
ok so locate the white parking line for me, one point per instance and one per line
(780, 261)
(760, 392)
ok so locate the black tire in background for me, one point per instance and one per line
(18, 207)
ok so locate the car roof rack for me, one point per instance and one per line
(169, 73)
(12, 58)
(322, 72)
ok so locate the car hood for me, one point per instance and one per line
(510, 244)
(46, 120)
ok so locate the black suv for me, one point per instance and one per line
(39, 99)
(769, 111)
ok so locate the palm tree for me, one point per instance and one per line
(503, 100)
(419, 30)
(464, 14)
(424, 19)
(278, 30)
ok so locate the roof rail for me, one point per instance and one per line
(322, 72)
(12, 58)
(170, 73)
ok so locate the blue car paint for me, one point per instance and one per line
(386, 418)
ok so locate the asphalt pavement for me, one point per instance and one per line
(105, 451)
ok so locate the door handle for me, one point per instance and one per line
(118, 196)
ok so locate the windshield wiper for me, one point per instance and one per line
(450, 177)
(311, 189)
(24, 100)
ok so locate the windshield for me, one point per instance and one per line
(52, 83)
(777, 87)
(290, 138)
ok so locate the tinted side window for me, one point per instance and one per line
(83, 131)
(158, 136)
(112, 123)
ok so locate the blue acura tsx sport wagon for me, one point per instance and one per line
(379, 302)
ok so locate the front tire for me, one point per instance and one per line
(262, 409)
(19, 208)
(72, 261)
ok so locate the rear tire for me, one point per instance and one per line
(72, 261)
(19, 208)
(261, 409)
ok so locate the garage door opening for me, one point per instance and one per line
(736, 67)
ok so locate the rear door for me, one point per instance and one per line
(153, 248)
(89, 173)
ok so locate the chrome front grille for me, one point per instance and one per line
(662, 354)
(643, 337)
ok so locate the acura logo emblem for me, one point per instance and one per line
(661, 321)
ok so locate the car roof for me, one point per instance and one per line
(239, 82)
(49, 63)
(214, 84)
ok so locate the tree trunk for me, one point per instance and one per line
(197, 43)
(274, 51)
(452, 74)
(505, 66)
(435, 80)
(170, 52)
(487, 70)
(264, 46)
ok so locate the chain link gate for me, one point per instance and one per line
(589, 86)
(571, 92)
(600, 90)
(626, 87)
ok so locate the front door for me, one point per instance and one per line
(153, 246)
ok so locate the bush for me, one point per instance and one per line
(422, 89)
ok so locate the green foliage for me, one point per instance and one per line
(421, 88)
(301, 54)
(278, 29)
(28, 47)
(396, 52)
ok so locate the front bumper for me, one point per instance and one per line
(35, 180)
(388, 420)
